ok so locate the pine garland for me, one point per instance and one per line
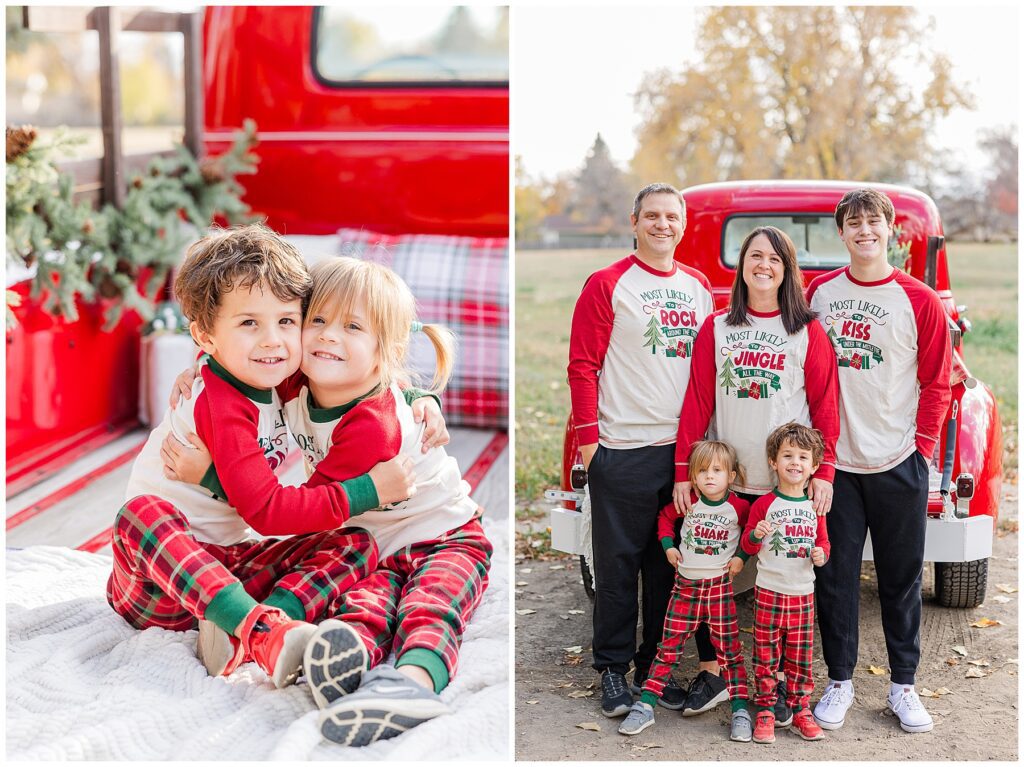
(80, 252)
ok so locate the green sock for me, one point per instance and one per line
(285, 600)
(738, 704)
(649, 698)
(229, 607)
(429, 661)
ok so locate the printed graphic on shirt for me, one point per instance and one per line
(754, 361)
(850, 323)
(707, 533)
(673, 322)
(275, 447)
(794, 533)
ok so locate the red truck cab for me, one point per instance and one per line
(962, 520)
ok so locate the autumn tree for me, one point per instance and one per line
(602, 196)
(529, 204)
(1001, 146)
(797, 92)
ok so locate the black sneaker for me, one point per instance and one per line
(706, 692)
(672, 697)
(616, 699)
(783, 713)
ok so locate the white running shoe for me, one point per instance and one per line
(910, 711)
(830, 713)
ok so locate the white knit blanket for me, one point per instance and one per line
(82, 684)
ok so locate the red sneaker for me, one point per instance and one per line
(764, 727)
(805, 726)
(220, 652)
(275, 642)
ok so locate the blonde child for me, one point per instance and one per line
(706, 560)
(792, 540)
(344, 409)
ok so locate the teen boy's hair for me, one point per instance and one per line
(860, 201)
(638, 201)
(704, 453)
(240, 257)
(796, 434)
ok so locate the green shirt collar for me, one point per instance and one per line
(790, 497)
(327, 414)
(719, 502)
(262, 396)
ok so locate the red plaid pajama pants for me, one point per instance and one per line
(783, 622)
(694, 602)
(421, 597)
(164, 577)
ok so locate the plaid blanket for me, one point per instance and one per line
(462, 283)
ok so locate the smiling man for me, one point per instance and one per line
(629, 365)
(890, 335)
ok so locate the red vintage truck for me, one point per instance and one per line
(966, 471)
(395, 144)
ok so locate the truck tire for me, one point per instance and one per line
(588, 579)
(961, 584)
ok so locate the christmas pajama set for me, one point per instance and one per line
(748, 380)
(433, 554)
(702, 592)
(186, 552)
(891, 340)
(629, 361)
(784, 595)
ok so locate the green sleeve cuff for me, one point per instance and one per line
(211, 482)
(429, 661)
(412, 394)
(754, 539)
(667, 543)
(362, 494)
(741, 554)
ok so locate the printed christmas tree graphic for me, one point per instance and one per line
(777, 543)
(726, 379)
(653, 337)
(833, 337)
(688, 541)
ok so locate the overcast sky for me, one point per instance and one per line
(575, 71)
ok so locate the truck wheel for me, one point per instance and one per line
(961, 584)
(588, 579)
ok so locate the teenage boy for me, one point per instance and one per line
(890, 334)
(182, 552)
(629, 365)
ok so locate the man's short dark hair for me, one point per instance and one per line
(860, 201)
(656, 189)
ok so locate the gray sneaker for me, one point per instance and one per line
(386, 704)
(334, 661)
(641, 716)
(742, 730)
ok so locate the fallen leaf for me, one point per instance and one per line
(934, 693)
(974, 673)
(952, 662)
(556, 567)
(525, 611)
(522, 583)
(532, 702)
(1011, 660)
(581, 693)
(592, 726)
(537, 543)
(566, 684)
(865, 577)
(572, 660)
(1006, 588)
(576, 612)
(575, 649)
(564, 617)
(1000, 599)
(526, 570)
(981, 663)
(876, 670)
(518, 592)
(984, 623)
(959, 648)
(747, 630)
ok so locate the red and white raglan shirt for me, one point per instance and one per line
(892, 344)
(244, 430)
(747, 381)
(784, 556)
(630, 349)
(350, 439)
(708, 536)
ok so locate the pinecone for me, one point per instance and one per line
(124, 266)
(19, 140)
(108, 288)
(137, 182)
(88, 227)
(212, 170)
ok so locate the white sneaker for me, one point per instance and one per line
(830, 713)
(910, 711)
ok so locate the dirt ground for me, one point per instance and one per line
(977, 719)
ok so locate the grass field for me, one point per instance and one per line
(548, 282)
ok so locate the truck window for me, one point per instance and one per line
(454, 45)
(814, 234)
